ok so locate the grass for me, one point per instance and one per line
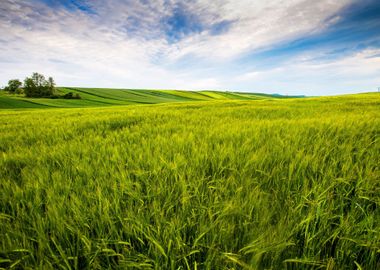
(225, 184)
(99, 97)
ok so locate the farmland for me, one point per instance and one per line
(233, 182)
(99, 97)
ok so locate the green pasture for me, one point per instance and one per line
(99, 97)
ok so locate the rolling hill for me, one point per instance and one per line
(95, 97)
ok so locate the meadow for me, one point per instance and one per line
(101, 97)
(219, 184)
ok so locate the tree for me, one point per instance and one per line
(51, 85)
(13, 86)
(37, 86)
(30, 89)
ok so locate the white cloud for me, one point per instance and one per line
(355, 73)
(259, 24)
(125, 43)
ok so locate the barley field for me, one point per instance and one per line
(221, 184)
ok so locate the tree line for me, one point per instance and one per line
(38, 87)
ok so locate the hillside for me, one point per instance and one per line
(95, 97)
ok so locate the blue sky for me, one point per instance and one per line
(290, 47)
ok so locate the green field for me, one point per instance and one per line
(95, 97)
(256, 183)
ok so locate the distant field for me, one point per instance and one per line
(221, 184)
(95, 97)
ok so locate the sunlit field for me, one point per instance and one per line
(222, 184)
(100, 97)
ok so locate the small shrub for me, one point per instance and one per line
(19, 91)
(71, 95)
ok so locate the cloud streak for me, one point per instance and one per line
(189, 45)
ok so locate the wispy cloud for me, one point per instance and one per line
(241, 45)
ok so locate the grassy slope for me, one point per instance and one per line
(95, 97)
(266, 184)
